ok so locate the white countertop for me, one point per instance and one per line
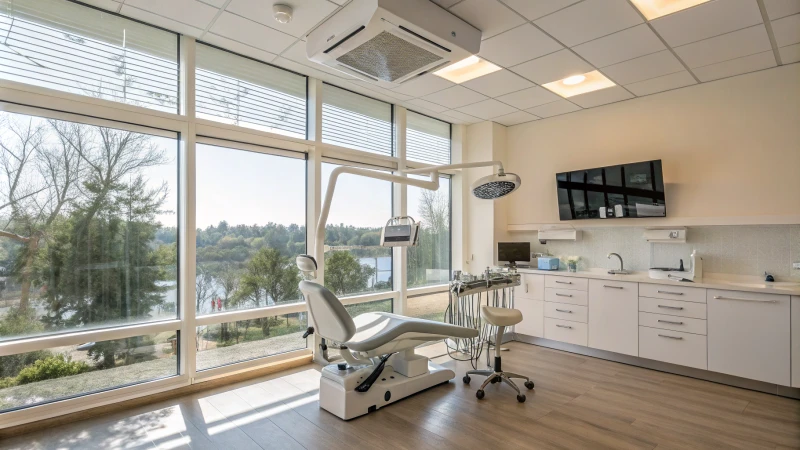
(711, 281)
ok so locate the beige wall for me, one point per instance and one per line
(730, 151)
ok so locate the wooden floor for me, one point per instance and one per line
(579, 402)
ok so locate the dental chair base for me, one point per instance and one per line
(338, 395)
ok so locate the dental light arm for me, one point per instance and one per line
(431, 184)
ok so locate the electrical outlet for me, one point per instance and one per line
(796, 265)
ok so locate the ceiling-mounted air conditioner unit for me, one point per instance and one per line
(388, 42)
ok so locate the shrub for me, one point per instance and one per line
(11, 365)
(7, 382)
(50, 368)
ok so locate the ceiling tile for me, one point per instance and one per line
(529, 98)
(516, 46)
(787, 30)
(238, 47)
(427, 105)
(643, 68)
(781, 8)
(601, 97)
(727, 46)
(659, 84)
(340, 2)
(555, 66)
(498, 83)
(442, 3)
(515, 118)
(215, 3)
(790, 54)
(190, 12)
(554, 109)
(737, 66)
(455, 97)
(424, 85)
(311, 72)
(251, 33)
(622, 46)
(109, 5)
(487, 109)
(589, 20)
(461, 117)
(707, 20)
(489, 16)
(307, 14)
(159, 21)
(532, 9)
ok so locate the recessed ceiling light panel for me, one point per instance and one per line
(653, 9)
(467, 69)
(580, 84)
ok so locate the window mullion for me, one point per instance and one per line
(400, 208)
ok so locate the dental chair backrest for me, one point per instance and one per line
(331, 319)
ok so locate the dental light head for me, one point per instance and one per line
(402, 231)
(496, 185)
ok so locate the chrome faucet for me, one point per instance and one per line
(621, 270)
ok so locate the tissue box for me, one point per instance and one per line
(547, 263)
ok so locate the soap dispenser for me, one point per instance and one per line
(697, 266)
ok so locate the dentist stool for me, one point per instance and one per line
(501, 318)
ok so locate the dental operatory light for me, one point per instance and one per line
(652, 9)
(466, 69)
(495, 186)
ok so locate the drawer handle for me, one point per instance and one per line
(613, 287)
(670, 322)
(563, 282)
(671, 337)
(671, 293)
(564, 310)
(670, 307)
(563, 295)
(719, 297)
(564, 326)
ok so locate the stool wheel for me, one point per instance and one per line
(466, 379)
(480, 394)
(529, 384)
(520, 397)
(495, 380)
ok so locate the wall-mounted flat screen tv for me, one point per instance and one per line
(626, 190)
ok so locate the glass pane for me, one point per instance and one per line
(355, 262)
(33, 378)
(251, 226)
(427, 139)
(68, 47)
(89, 233)
(241, 91)
(355, 121)
(367, 307)
(431, 306)
(232, 342)
(429, 262)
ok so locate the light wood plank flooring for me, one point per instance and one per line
(579, 402)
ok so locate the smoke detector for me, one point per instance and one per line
(282, 13)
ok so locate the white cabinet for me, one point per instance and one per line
(674, 347)
(796, 341)
(565, 331)
(529, 299)
(614, 316)
(749, 335)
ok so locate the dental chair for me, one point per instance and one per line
(381, 366)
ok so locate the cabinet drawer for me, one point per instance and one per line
(566, 296)
(566, 331)
(531, 286)
(578, 284)
(686, 294)
(566, 311)
(672, 307)
(673, 347)
(685, 324)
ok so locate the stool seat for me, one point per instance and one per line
(501, 317)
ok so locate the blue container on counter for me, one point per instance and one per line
(547, 263)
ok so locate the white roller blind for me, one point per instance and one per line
(427, 139)
(355, 121)
(74, 48)
(241, 91)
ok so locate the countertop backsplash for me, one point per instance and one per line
(736, 249)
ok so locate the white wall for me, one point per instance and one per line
(730, 151)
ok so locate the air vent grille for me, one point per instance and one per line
(388, 57)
